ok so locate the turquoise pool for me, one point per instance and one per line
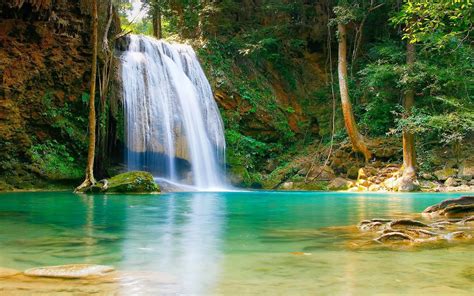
(232, 243)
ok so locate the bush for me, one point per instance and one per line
(53, 161)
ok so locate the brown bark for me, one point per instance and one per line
(89, 179)
(157, 29)
(357, 140)
(409, 156)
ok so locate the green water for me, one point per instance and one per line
(236, 243)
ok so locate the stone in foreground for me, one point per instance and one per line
(394, 236)
(459, 207)
(129, 182)
(73, 271)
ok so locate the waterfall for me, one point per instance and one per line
(173, 126)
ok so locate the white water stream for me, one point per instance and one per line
(173, 125)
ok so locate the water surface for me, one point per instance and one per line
(233, 243)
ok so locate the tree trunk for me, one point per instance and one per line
(357, 140)
(409, 157)
(157, 30)
(89, 180)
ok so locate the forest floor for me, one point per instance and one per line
(311, 169)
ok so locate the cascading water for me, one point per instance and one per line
(173, 125)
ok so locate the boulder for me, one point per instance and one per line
(362, 174)
(353, 173)
(353, 189)
(391, 183)
(463, 200)
(339, 184)
(444, 174)
(376, 188)
(466, 170)
(69, 271)
(363, 182)
(429, 186)
(321, 173)
(129, 182)
(450, 182)
(287, 185)
(427, 176)
(408, 184)
(457, 211)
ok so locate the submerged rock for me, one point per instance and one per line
(467, 220)
(458, 235)
(406, 224)
(129, 182)
(455, 223)
(70, 271)
(371, 226)
(394, 237)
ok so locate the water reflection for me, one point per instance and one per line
(181, 240)
(223, 243)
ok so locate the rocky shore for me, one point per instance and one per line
(450, 221)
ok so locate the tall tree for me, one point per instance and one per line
(89, 179)
(156, 19)
(359, 143)
(434, 23)
(408, 180)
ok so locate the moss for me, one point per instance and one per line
(316, 185)
(129, 182)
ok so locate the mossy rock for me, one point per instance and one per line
(129, 182)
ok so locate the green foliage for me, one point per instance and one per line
(437, 22)
(248, 47)
(69, 125)
(244, 151)
(447, 128)
(54, 161)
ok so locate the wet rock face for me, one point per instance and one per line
(45, 57)
(42, 60)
